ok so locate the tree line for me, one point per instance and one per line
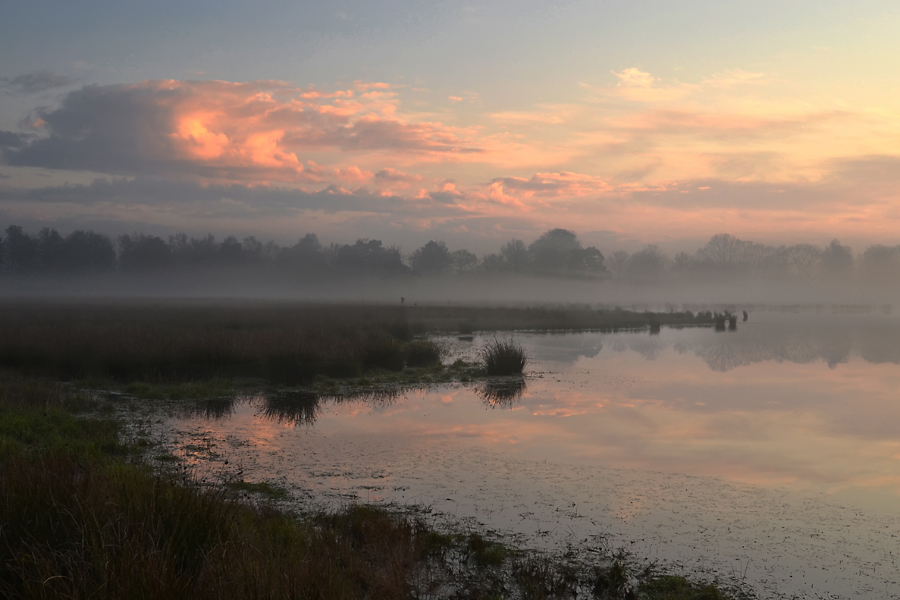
(557, 252)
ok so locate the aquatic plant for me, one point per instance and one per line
(422, 353)
(503, 357)
(720, 321)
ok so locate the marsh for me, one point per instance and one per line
(756, 451)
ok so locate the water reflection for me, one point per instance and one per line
(797, 339)
(208, 408)
(785, 401)
(290, 408)
(303, 407)
(501, 393)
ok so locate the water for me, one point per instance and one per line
(770, 455)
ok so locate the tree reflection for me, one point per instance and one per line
(501, 393)
(801, 343)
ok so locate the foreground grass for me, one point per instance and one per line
(82, 517)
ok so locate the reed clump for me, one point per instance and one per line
(503, 357)
(422, 353)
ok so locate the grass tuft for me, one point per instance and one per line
(503, 357)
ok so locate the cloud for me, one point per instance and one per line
(633, 77)
(11, 140)
(257, 131)
(725, 124)
(38, 81)
(394, 176)
(550, 117)
(639, 86)
(552, 185)
(734, 77)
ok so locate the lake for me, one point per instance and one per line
(769, 455)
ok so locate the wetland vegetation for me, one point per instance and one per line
(85, 514)
(186, 343)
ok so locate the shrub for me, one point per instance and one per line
(503, 357)
(422, 353)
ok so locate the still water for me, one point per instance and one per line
(769, 455)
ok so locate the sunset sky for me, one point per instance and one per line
(630, 122)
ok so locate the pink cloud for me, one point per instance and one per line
(262, 131)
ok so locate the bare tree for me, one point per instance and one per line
(618, 263)
(805, 260)
(724, 250)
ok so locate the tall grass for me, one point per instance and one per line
(79, 530)
(422, 353)
(184, 342)
(503, 357)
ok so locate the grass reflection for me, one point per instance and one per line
(292, 408)
(502, 393)
(208, 408)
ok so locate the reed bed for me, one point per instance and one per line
(282, 342)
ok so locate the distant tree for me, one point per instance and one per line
(837, 260)
(463, 261)
(648, 264)
(683, 262)
(143, 253)
(724, 250)
(369, 256)
(51, 251)
(515, 257)
(231, 252)
(556, 251)
(492, 263)
(880, 262)
(257, 252)
(618, 263)
(87, 251)
(431, 259)
(21, 251)
(307, 256)
(194, 251)
(592, 260)
(804, 260)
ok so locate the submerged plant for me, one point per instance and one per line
(503, 357)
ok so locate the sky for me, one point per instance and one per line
(629, 122)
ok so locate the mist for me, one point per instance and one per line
(554, 268)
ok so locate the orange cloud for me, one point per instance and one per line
(256, 131)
